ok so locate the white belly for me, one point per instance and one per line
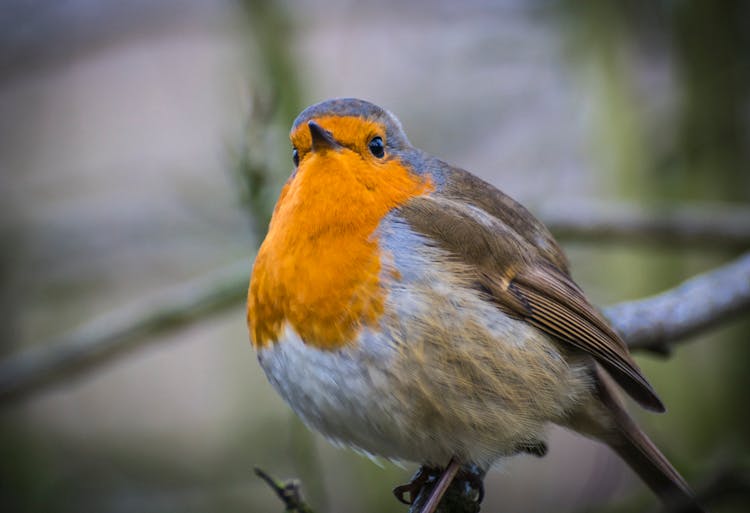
(445, 374)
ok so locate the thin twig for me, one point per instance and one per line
(463, 492)
(289, 492)
(441, 487)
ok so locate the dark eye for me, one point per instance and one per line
(295, 157)
(376, 147)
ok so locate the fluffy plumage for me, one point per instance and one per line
(408, 309)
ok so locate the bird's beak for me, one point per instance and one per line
(321, 138)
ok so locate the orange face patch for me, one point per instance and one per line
(350, 131)
(319, 269)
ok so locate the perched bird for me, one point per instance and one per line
(410, 310)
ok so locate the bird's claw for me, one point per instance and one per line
(423, 476)
(471, 475)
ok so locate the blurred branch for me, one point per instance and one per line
(264, 158)
(719, 226)
(731, 482)
(253, 164)
(726, 485)
(654, 323)
(647, 324)
(114, 334)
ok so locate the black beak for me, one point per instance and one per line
(321, 138)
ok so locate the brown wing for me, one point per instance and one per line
(462, 186)
(526, 284)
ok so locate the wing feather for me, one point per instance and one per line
(526, 283)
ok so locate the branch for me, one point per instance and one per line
(648, 324)
(289, 492)
(112, 335)
(652, 324)
(702, 226)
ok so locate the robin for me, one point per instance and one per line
(410, 310)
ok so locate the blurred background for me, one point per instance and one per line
(142, 145)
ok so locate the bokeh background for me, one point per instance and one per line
(142, 144)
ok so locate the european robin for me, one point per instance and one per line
(410, 310)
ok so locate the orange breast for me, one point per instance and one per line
(318, 269)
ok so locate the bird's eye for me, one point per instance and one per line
(295, 157)
(377, 148)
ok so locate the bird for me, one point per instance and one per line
(410, 310)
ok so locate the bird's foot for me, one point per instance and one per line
(473, 477)
(428, 485)
(423, 476)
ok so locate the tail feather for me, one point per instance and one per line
(640, 453)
